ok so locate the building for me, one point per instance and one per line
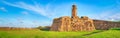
(73, 23)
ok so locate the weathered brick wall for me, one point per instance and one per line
(56, 24)
(61, 24)
(82, 24)
(66, 24)
(72, 24)
(105, 25)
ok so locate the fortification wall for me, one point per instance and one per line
(82, 24)
(72, 24)
(105, 25)
(61, 24)
(56, 24)
(66, 24)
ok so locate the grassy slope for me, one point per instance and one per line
(51, 34)
(107, 34)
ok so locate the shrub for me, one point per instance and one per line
(115, 29)
(45, 28)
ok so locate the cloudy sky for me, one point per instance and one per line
(33, 13)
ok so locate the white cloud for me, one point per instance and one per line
(109, 15)
(24, 12)
(1, 20)
(3, 9)
(115, 16)
(36, 8)
(20, 20)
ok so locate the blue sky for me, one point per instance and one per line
(33, 13)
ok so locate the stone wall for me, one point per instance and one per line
(88, 24)
(61, 24)
(82, 24)
(105, 25)
(56, 24)
(72, 24)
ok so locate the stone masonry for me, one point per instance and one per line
(105, 25)
(73, 23)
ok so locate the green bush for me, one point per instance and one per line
(115, 29)
(45, 28)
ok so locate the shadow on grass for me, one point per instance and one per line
(100, 31)
(93, 33)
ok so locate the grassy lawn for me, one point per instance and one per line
(52, 34)
(106, 34)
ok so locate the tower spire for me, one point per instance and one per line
(74, 12)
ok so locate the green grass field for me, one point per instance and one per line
(51, 34)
